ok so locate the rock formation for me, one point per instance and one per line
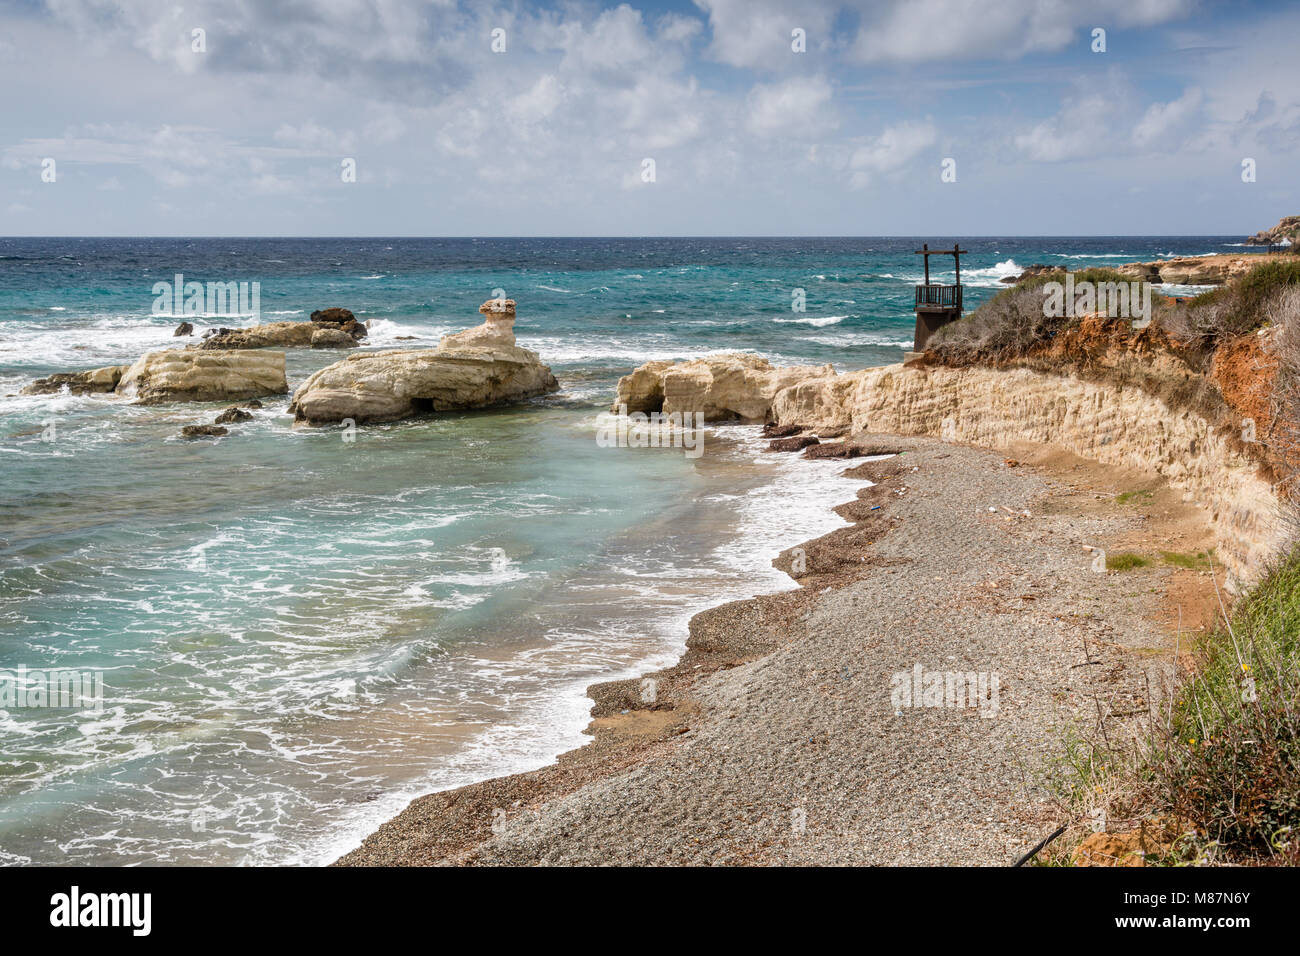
(197, 375)
(328, 329)
(992, 408)
(719, 387)
(232, 415)
(1193, 270)
(204, 431)
(1286, 231)
(78, 383)
(476, 368)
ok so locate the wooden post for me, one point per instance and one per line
(925, 246)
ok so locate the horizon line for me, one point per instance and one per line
(1081, 235)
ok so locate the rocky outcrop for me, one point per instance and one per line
(204, 431)
(1287, 231)
(197, 375)
(281, 335)
(78, 383)
(323, 334)
(1111, 424)
(232, 415)
(1193, 270)
(1034, 270)
(719, 387)
(185, 328)
(473, 369)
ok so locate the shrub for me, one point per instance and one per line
(1243, 304)
(1230, 761)
(1125, 561)
(1012, 323)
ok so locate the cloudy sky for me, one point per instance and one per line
(484, 118)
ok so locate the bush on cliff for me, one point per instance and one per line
(1242, 305)
(1012, 323)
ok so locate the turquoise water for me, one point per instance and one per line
(298, 633)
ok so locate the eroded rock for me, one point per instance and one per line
(719, 387)
(78, 383)
(198, 375)
(233, 414)
(204, 431)
(476, 368)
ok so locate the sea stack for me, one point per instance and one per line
(477, 368)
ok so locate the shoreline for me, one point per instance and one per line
(750, 499)
(707, 772)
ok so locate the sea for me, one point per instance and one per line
(295, 631)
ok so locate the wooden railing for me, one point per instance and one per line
(944, 296)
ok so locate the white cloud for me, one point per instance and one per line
(792, 107)
(1170, 124)
(758, 33)
(893, 150)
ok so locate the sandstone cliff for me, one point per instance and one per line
(996, 407)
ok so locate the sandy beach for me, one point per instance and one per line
(774, 740)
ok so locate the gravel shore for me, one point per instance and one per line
(779, 737)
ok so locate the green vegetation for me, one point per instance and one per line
(1194, 562)
(1128, 496)
(1244, 304)
(1011, 323)
(1126, 561)
(1231, 762)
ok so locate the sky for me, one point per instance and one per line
(712, 117)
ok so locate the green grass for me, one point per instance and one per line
(1126, 561)
(1194, 562)
(1128, 496)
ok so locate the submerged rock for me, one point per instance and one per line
(773, 430)
(328, 338)
(233, 414)
(78, 383)
(204, 431)
(196, 375)
(792, 444)
(184, 329)
(719, 387)
(476, 368)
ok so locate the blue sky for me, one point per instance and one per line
(250, 135)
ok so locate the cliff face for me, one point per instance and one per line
(1288, 228)
(1111, 424)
